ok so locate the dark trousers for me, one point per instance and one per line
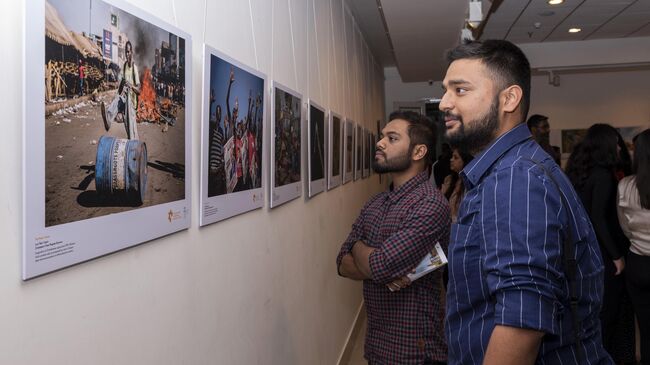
(609, 314)
(638, 287)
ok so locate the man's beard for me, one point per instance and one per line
(395, 164)
(480, 132)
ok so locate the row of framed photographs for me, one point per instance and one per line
(331, 151)
(339, 150)
(107, 156)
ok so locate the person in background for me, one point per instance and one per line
(453, 188)
(82, 76)
(624, 347)
(634, 217)
(541, 131)
(591, 169)
(624, 164)
(392, 234)
(441, 168)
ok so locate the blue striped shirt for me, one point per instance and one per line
(505, 259)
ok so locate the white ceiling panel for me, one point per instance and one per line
(422, 30)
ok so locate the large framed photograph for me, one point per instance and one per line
(106, 133)
(335, 150)
(358, 154)
(286, 183)
(316, 148)
(366, 154)
(348, 151)
(232, 133)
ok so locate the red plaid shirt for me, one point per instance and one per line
(406, 326)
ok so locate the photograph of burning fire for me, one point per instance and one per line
(236, 99)
(114, 112)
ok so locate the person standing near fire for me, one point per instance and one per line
(124, 106)
(82, 76)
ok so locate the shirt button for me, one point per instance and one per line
(421, 344)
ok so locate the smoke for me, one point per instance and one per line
(145, 38)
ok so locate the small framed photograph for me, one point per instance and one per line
(316, 148)
(348, 151)
(335, 148)
(358, 151)
(286, 162)
(366, 153)
(373, 150)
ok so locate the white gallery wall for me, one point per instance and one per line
(620, 98)
(259, 288)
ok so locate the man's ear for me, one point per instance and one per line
(419, 152)
(511, 98)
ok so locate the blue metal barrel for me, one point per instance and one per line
(121, 168)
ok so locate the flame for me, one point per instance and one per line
(147, 108)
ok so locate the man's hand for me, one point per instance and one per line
(620, 266)
(349, 269)
(361, 253)
(512, 346)
(398, 284)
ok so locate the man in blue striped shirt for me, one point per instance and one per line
(508, 300)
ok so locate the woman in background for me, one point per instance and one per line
(452, 187)
(634, 217)
(591, 168)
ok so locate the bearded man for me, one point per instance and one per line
(392, 234)
(525, 272)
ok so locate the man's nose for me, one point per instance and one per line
(445, 103)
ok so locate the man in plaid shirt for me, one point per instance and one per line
(394, 231)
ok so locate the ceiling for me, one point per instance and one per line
(413, 35)
(515, 20)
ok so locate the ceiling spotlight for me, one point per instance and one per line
(555, 2)
(574, 30)
(475, 14)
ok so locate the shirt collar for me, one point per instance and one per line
(475, 170)
(407, 187)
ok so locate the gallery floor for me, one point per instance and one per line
(356, 357)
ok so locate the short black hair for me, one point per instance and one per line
(535, 120)
(504, 60)
(421, 131)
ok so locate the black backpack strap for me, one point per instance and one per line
(570, 264)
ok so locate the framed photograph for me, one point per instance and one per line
(373, 149)
(316, 148)
(232, 130)
(335, 150)
(628, 134)
(366, 154)
(106, 157)
(358, 154)
(348, 151)
(570, 138)
(286, 111)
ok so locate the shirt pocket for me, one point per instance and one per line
(465, 263)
